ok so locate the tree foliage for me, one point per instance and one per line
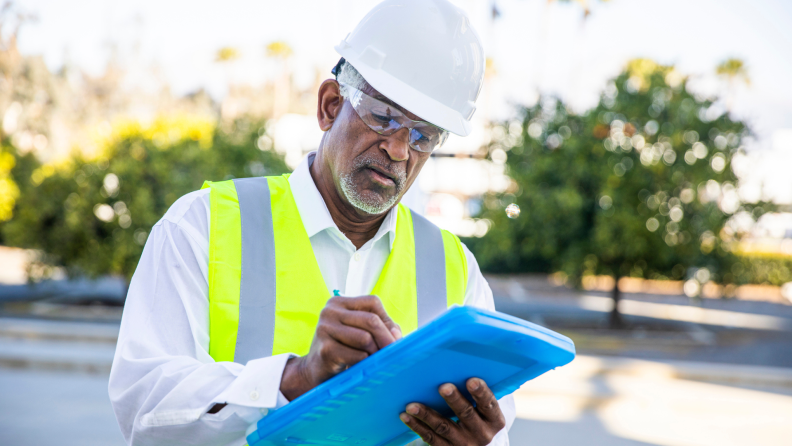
(9, 191)
(92, 215)
(640, 186)
(732, 69)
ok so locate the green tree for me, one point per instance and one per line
(9, 191)
(639, 186)
(15, 171)
(733, 70)
(92, 215)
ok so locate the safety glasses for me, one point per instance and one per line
(386, 119)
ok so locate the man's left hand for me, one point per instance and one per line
(477, 426)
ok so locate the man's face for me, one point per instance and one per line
(371, 171)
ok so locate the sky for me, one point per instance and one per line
(536, 46)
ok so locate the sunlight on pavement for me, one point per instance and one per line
(678, 412)
(644, 402)
(687, 313)
(561, 395)
(550, 407)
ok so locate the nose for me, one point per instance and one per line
(397, 145)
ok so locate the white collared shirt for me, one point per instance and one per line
(163, 380)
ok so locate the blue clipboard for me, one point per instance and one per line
(361, 405)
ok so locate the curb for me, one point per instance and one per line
(87, 357)
(587, 367)
(90, 347)
(21, 328)
(39, 344)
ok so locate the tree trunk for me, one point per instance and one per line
(616, 320)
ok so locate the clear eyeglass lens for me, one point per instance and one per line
(379, 116)
(424, 140)
(385, 119)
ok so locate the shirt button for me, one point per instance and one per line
(254, 395)
(357, 256)
(264, 410)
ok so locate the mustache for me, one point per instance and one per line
(397, 172)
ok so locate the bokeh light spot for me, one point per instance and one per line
(512, 211)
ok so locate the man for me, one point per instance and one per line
(230, 313)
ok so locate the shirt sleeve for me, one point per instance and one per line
(163, 380)
(479, 294)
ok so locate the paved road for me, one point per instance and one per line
(587, 430)
(593, 402)
(663, 327)
(67, 409)
(619, 401)
(71, 409)
(72, 406)
(596, 401)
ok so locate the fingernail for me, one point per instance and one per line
(447, 389)
(396, 333)
(475, 384)
(412, 409)
(404, 417)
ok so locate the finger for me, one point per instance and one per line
(486, 403)
(337, 357)
(373, 304)
(338, 309)
(354, 337)
(462, 407)
(379, 309)
(369, 322)
(425, 432)
(439, 424)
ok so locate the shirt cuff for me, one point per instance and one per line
(252, 414)
(258, 386)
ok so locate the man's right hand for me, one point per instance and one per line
(349, 330)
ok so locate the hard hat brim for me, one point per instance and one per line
(408, 97)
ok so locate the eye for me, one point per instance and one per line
(384, 116)
(380, 118)
(417, 136)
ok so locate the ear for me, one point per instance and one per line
(330, 103)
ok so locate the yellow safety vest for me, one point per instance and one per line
(265, 287)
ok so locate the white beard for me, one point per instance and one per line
(368, 205)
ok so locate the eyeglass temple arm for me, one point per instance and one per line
(337, 68)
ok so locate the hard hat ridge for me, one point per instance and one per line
(422, 54)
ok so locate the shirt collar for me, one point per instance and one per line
(313, 210)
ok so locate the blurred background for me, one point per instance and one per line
(626, 183)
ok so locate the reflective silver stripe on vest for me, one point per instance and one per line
(256, 332)
(430, 273)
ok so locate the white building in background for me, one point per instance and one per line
(765, 175)
(294, 135)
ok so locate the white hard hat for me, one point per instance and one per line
(422, 54)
